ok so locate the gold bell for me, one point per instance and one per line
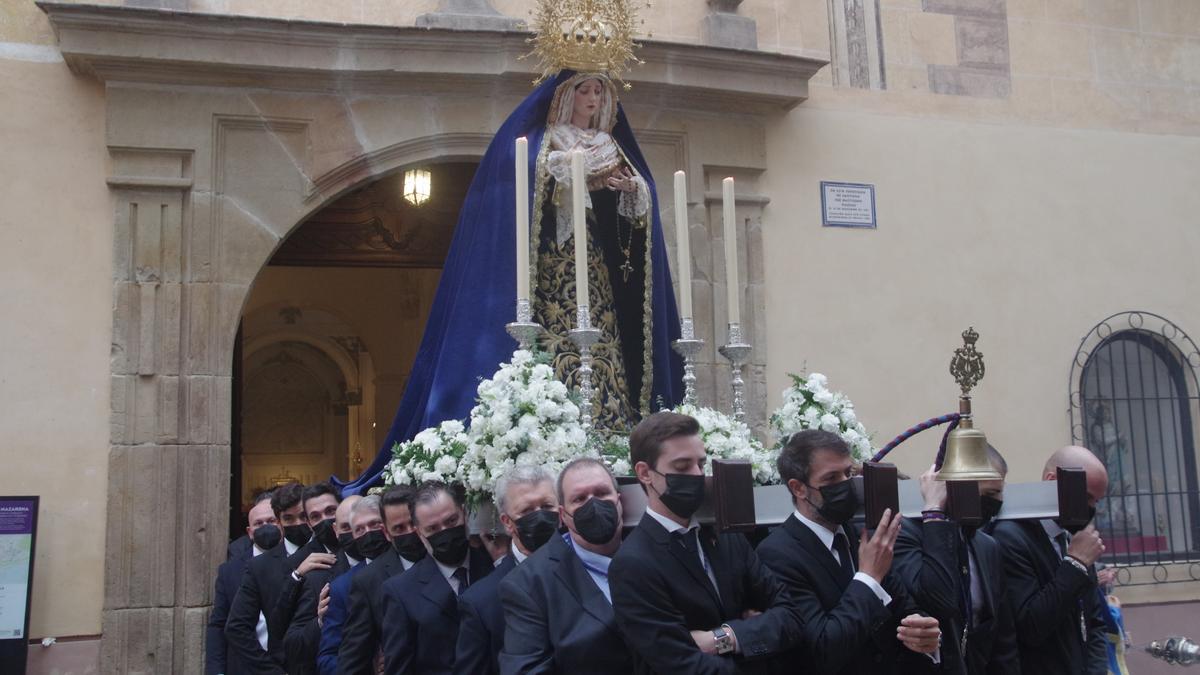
(966, 448)
(966, 453)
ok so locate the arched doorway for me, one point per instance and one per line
(331, 326)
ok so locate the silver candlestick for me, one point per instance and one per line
(737, 351)
(524, 330)
(688, 347)
(584, 337)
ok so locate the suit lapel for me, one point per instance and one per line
(571, 573)
(434, 586)
(685, 558)
(811, 543)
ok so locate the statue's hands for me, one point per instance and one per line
(622, 181)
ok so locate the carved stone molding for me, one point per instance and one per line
(126, 44)
(467, 15)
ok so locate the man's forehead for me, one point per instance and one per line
(261, 510)
(320, 502)
(585, 478)
(362, 517)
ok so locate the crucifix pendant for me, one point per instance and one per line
(626, 269)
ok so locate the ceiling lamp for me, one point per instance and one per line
(416, 186)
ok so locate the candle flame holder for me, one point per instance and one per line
(689, 347)
(584, 337)
(524, 330)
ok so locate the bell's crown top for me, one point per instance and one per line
(967, 364)
(593, 36)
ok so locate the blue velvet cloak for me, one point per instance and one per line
(464, 338)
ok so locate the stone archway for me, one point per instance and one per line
(225, 132)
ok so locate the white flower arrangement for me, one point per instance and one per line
(726, 438)
(809, 404)
(432, 454)
(523, 415)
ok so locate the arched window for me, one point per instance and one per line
(1134, 403)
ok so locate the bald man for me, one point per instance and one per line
(1052, 581)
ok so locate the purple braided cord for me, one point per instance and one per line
(952, 418)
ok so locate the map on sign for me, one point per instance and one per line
(14, 583)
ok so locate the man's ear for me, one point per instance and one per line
(798, 489)
(642, 471)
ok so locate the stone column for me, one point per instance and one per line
(723, 27)
(467, 15)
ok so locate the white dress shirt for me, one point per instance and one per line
(517, 555)
(672, 527)
(826, 536)
(260, 628)
(448, 572)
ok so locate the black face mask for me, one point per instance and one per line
(449, 546)
(684, 495)
(596, 521)
(266, 537)
(325, 534)
(372, 544)
(989, 508)
(409, 547)
(298, 534)
(535, 528)
(1075, 529)
(838, 502)
(349, 545)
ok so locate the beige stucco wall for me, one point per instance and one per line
(55, 272)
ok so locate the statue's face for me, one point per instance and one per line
(588, 96)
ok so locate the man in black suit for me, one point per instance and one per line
(957, 574)
(1052, 582)
(239, 548)
(251, 630)
(528, 511)
(264, 533)
(359, 649)
(857, 617)
(420, 607)
(558, 615)
(687, 599)
(303, 594)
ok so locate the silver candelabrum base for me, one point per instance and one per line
(585, 337)
(689, 348)
(738, 352)
(524, 330)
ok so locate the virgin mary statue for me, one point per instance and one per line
(632, 302)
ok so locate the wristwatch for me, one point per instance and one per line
(723, 638)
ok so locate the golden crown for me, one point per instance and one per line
(593, 36)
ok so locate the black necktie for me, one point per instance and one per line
(842, 547)
(461, 575)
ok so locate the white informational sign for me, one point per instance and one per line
(847, 204)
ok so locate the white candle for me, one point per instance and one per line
(683, 246)
(579, 220)
(522, 173)
(732, 290)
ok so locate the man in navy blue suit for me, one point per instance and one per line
(420, 607)
(359, 648)
(529, 512)
(264, 533)
(370, 542)
(557, 605)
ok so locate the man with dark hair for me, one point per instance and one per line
(687, 599)
(956, 573)
(856, 615)
(252, 629)
(264, 534)
(1052, 583)
(420, 607)
(359, 648)
(318, 563)
(558, 615)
